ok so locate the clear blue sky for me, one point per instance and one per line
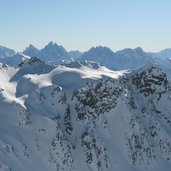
(80, 24)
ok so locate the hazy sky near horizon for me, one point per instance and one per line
(81, 24)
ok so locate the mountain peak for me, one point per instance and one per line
(139, 50)
(53, 46)
(98, 53)
(53, 53)
(130, 50)
(31, 51)
(102, 48)
(50, 44)
(31, 46)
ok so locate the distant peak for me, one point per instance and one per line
(139, 49)
(31, 47)
(100, 48)
(51, 43)
(31, 51)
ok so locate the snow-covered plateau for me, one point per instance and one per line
(82, 116)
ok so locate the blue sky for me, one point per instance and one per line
(81, 24)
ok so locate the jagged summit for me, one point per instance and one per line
(51, 52)
(31, 47)
(54, 52)
(50, 46)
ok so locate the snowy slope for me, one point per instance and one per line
(82, 116)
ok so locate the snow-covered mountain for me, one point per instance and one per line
(83, 116)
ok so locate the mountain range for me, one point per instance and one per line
(123, 59)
